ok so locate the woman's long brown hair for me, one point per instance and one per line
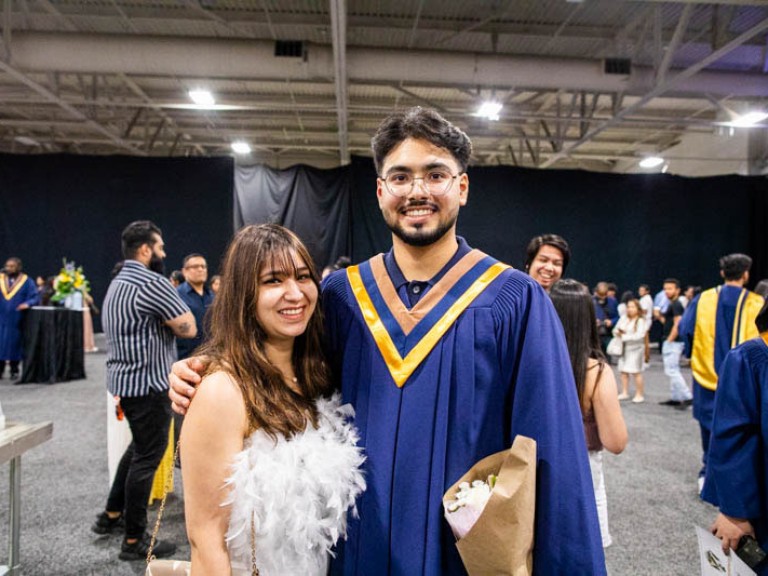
(236, 341)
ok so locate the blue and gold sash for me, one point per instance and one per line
(5, 288)
(406, 337)
(704, 335)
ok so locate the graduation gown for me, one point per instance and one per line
(499, 369)
(714, 322)
(737, 471)
(23, 291)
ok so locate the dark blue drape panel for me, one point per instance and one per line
(313, 203)
(629, 229)
(56, 206)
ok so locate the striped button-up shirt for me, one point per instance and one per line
(140, 347)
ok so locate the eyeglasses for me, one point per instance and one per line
(199, 266)
(436, 182)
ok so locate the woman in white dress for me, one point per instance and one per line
(263, 446)
(631, 328)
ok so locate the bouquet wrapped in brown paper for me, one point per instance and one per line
(501, 540)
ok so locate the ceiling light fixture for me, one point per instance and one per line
(202, 98)
(241, 147)
(749, 119)
(27, 141)
(651, 162)
(490, 110)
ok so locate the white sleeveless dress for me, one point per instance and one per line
(299, 492)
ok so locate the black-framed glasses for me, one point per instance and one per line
(436, 182)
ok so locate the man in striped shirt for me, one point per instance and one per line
(142, 312)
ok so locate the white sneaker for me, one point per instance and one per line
(623, 396)
(701, 484)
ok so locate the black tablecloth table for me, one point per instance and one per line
(53, 345)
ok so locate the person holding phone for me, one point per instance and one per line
(737, 466)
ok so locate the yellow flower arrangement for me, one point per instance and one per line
(69, 280)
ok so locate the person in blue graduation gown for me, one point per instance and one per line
(737, 470)
(17, 292)
(435, 390)
(715, 321)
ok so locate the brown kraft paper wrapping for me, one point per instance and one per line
(501, 541)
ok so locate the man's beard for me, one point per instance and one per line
(156, 264)
(421, 238)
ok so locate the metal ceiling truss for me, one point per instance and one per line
(560, 109)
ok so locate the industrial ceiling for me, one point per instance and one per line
(585, 84)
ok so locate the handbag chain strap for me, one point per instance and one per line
(156, 529)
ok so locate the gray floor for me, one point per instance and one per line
(652, 498)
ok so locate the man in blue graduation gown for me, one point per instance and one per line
(17, 292)
(737, 470)
(714, 322)
(447, 355)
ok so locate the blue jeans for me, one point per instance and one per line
(670, 353)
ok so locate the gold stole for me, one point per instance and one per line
(7, 292)
(400, 367)
(703, 353)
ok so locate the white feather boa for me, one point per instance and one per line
(299, 492)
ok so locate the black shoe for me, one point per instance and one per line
(670, 403)
(687, 402)
(138, 550)
(682, 406)
(106, 525)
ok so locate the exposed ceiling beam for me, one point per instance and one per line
(682, 25)
(662, 88)
(228, 58)
(63, 20)
(7, 28)
(71, 110)
(124, 17)
(415, 24)
(339, 32)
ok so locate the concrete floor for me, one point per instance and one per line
(652, 498)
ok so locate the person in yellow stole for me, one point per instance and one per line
(17, 292)
(717, 320)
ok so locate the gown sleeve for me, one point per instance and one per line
(545, 407)
(734, 467)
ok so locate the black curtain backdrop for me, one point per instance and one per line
(313, 203)
(57, 206)
(628, 229)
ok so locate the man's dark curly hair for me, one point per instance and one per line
(423, 124)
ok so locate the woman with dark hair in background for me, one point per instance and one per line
(270, 464)
(604, 425)
(215, 283)
(546, 259)
(622, 307)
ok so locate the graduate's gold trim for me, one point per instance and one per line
(747, 327)
(401, 368)
(703, 353)
(764, 336)
(16, 287)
